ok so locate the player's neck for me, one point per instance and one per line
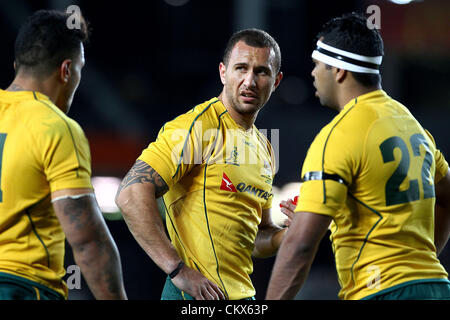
(245, 121)
(26, 83)
(352, 92)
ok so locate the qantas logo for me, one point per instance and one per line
(227, 185)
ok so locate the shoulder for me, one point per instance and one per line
(357, 118)
(351, 125)
(346, 132)
(205, 116)
(42, 116)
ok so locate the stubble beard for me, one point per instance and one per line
(243, 109)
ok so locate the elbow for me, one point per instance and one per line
(119, 197)
(122, 199)
(306, 251)
(119, 200)
(268, 241)
(259, 255)
(301, 251)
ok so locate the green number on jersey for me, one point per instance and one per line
(392, 189)
(393, 193)
(2, 144)
(427, 183)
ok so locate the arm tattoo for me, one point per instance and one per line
(82, 218)
(141, 172)
(76, 210)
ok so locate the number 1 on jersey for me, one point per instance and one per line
(2, 144)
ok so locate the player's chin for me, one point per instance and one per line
(250, 106)
(322, 99)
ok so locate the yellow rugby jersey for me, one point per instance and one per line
(372, 169)
(220, 179)
(41, 151)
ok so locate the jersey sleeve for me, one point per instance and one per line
(178, 148)
(441, 163)
(327, 171)
(65, 154)
(441, 166)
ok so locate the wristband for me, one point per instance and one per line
(174, 273)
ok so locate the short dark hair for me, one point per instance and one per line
(44, 41)
(350, 33)
(255, 38)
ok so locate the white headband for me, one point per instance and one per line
(346, 60)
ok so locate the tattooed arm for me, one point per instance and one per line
(136, 198)
(93, 247)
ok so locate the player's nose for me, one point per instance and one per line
(250, 80)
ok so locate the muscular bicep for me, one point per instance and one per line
(79, 215)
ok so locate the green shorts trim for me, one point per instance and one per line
(423, 289)
(13, 287)
(170, 292)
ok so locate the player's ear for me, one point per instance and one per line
(340, 75)
(65, 71)
(222, 71)
(278, 78)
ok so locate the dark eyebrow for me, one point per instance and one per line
(257, 68)
(240, 64)
(263, 68)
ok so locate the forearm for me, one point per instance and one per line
(136, 198)
(99, 262)
(144, 222)
(290, 271)
(296, 254)
(93, 246)
(268, 240)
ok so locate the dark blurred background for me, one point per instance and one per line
(149, 61)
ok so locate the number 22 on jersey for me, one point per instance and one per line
(393, 193)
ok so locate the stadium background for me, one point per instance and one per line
(149, 61)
